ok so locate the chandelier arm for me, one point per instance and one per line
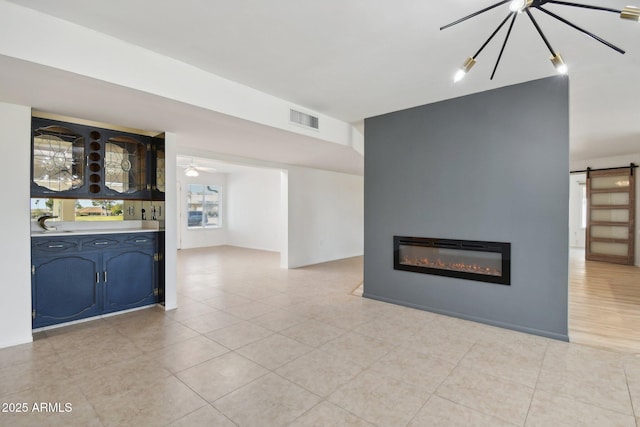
(585, 6)
(544, 38)
(493, 34)
(474, 14)
(513, 20)
(601, 40)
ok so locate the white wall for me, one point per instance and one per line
(36, 37)
(576, 232)
(171, 233)
(15, 249)
(326, 216)
(200, 237)
(253, 209)
(613, 162)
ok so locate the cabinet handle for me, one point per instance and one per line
(97, 277)
(141, 240)
(101, 243)
(56, 246)
(87, 161)
(105, 276)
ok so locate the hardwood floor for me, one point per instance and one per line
(604, 304)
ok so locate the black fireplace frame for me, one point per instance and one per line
(468, 245)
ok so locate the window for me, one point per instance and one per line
(203, 206)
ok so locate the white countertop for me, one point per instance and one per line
(89, 228)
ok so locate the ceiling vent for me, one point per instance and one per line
(303, 119)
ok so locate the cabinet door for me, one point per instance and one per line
(57, 161)
(156, 176)
(129, 279)
(125, 166)
(64, 288)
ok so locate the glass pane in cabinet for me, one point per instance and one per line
(615, 249)
(124, 163)
(58, 159)
(610, 198)
(609, 232)
(610, 215)
(160, 181)
(615, 181)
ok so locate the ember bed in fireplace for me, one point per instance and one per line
(464, 259)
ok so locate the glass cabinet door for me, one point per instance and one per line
(58, 160)
(160, 173)
(125, 161)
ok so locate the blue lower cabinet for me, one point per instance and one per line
(64, 289)
(129, 279)
(94, 278)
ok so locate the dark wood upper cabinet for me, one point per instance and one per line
(79, 161)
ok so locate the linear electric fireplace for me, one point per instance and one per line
(464, 259)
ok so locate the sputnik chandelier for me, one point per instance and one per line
(516, 7)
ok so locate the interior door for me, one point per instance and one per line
(611, 215)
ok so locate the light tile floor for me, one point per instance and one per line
(254, 345)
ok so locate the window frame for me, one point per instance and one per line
(201, 205)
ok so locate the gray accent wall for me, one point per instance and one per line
(490, 166)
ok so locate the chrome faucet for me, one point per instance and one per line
(42, 219)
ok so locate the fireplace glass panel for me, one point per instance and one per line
(485, 263)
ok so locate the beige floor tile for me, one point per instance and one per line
(313, 332)
(113, 349)
(414, 368)
(188, 353)
(379, 399)
(436, 342)
(159, 403)
(192, 309)
(239, 334)
(278, 320)
(220, 376)
(390, 330)
(490, 395)
(33, 373)
(326, 414)
(274, 351)
(444, 413)
(114, 379)
(59, 404)
(24, 353)
(452, 326)
(156, 337)
(552, 410)
(320, 372)
(225, 301)
(510, 362)
(250, 310)
(632, 373)
(360, 349)
(283, 300)
(210, 321)
(268, 401)
(587, 375)
(205, 416)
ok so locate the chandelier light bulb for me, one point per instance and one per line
(517, 5)
(470, 62)
(558, 62)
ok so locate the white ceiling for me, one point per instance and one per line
(352, 59)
